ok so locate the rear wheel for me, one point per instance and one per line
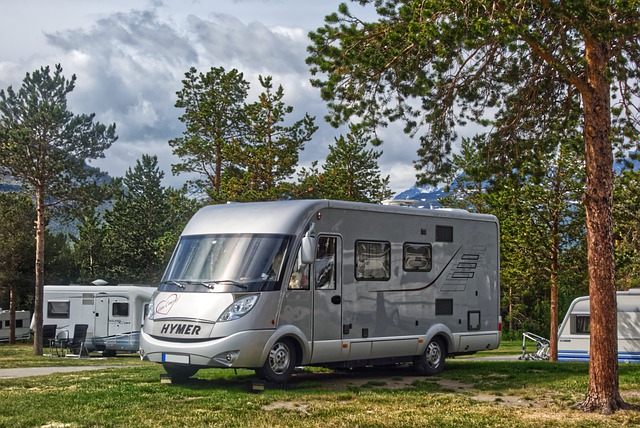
(431, 362)
(180, 373)
(280, 363)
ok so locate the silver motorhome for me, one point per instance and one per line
(275, 285)
(113, 313)
(574, 333)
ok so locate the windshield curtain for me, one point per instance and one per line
(229, 262)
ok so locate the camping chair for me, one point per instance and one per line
(76, 345)
(49, 336)
(61, 338)
(542, 347)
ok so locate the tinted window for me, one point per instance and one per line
(373, 260)
(417, 257)
(58, 309)
(583, 324)
(120, 309)
(325, 270)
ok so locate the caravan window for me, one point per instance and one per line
(58, 309)
(582, 324)
(120, 309)
(373, 260)
(417, 257)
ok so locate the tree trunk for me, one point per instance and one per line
(39, 287)
(553, 336)
(603, 392)
(12, 314)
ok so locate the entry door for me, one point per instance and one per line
(327, 300)
(101, 314)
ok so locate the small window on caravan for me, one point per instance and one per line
(582, 324)
(120, 309)
(417, 257)
(58, 309)
(373, 260)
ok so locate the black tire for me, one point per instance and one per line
(280, 363)
(431, 362)
(180, 373)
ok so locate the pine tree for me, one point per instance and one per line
(213, 116)
(45, 147)
(137, 223)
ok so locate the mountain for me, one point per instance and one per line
(427, 196)
(420, 197)
(8, 184)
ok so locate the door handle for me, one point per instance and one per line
(336, 300)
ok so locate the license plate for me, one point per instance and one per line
(174, 358)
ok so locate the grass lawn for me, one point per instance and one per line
(470, 393)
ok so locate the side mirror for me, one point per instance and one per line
(308, 248)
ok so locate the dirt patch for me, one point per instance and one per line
(287, 405)
(403, 378)
(372, 378)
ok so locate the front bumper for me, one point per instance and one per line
(240, 350)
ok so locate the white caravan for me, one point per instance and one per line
(574, 334)
(22, 325)
(114, 314)
(275, 285)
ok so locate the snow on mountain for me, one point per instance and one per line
(420, 196)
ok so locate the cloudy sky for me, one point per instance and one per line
(130, 56)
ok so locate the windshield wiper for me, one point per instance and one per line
(172, 282)
(225, 281)
(208, 284)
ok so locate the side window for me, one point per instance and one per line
(58, 309)
(373, 260)
(120, 309)
(325, 266)
(417, 257)
(300, 275)
(582, 324)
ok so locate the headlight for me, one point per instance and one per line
(151, 312)
(239, 308)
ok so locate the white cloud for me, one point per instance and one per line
(130, 58)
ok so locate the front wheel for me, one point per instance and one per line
(431, 362)
(280, 363)
(180, 373)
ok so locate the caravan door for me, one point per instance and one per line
(111, 315)
(327, 300)
(101, 315)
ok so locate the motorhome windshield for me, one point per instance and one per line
(227, 263)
